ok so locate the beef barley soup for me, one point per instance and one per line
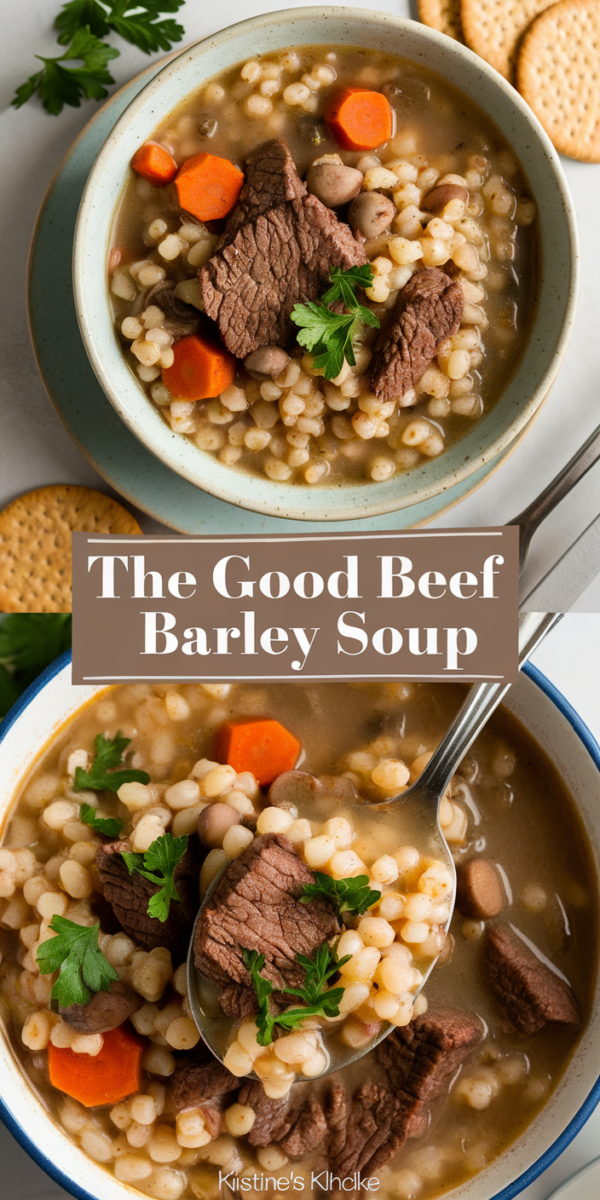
(314, 933)
(323, 266)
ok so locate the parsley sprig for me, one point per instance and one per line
(82, 25)
(75, 953)
(329, 335)
(29, 642)
(158, 865)
(353, 896)
(319, 1001)
(109, 826)
(102, 775)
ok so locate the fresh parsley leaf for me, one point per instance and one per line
(140, 24)
(57, 85)
(328, 335)
(109, 826)
(75, 953)
(163, 856)
(101, 776)
(29, 642)
(319, 1002)
(353, 896)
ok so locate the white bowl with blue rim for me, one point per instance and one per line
(558, 267)
(549, 718)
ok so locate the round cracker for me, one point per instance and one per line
(35, 543)
(443, 15)
(557, 74)
(494, 28)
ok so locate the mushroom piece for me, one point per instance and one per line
(371, 213)
(333, 183)
(296, 789)
(266, 361)
(214, 821)
(479, 890)
(105, 1011)
(440, 196)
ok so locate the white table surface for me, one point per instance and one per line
(570, 658)
(34, 447)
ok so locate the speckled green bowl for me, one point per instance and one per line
(559, 260)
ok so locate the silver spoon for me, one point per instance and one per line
(416, 813)
(531, 518)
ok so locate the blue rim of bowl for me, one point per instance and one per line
(512, 1189)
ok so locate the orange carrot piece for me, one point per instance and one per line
(208, 186)
(263, 747)
(201, 369)
(105, 1078)
(360, 119)
(155, 164)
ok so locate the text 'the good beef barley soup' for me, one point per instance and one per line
(323, 266)
(314, 932)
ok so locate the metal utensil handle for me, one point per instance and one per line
(578, 465)
(479, 705)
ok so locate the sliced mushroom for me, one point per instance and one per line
(106, 1010)
(340, 788)
(294, 789)
(214, 821)
(371, 213)
(440, 196)
(266, 361)
(333, 183)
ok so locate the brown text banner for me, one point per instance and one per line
(421, 604)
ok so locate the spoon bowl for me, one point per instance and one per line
(411, 817)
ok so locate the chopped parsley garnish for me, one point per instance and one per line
(75, 953)
(353, 896)
(109, 826)
(81, 25)
(319, 1001)
(163, 856)
(329, 335)
(101, 775)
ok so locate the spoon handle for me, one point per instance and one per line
(536, 512)
(478, 706)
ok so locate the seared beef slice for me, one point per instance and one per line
(420, 1060)
(529, 992)
(199, 1077)
(428, 310)
(277, 250)
(256, 906)
(129, 895)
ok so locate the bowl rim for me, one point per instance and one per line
(546, 1158)
(286, 500)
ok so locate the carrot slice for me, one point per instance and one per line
(360, 119)
(155, 164)
(208, 186)
(265, 748)
(104, 1078)
(201, 369)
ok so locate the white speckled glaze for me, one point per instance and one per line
(549, 718)
(559, 260)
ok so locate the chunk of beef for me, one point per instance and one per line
(129, 896)
(272, 1119)
(528, 991)
(298, 1130)
(428, 310)
(238, 1001)
(255, 906)
(181, 319)
(199, 1077)
(419, 1060)
(277, 250)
